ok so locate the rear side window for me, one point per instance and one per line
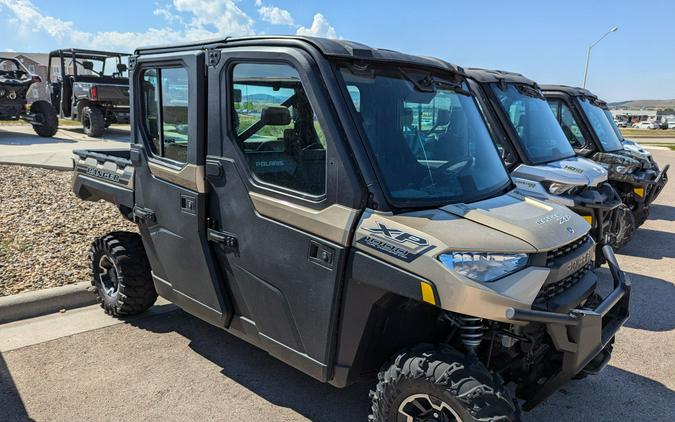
(165, 111)
(276, 129)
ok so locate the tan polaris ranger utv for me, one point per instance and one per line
(345, 209)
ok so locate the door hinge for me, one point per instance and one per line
(225, 240)
(212, 57)
(144, 214)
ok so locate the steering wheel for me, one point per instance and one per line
(468, 162)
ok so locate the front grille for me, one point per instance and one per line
(562, 251)
(553, 289)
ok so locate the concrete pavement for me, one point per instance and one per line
(174, 367)
(20, 145)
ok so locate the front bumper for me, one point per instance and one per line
(582, 335)
(654, 187)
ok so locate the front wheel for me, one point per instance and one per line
(440, 384)
(48, 121)
(121, 274)
(622, 228)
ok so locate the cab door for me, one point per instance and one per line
(283, 201)
(168, 153)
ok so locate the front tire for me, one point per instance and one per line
(439, 384)
(120, 274)
(623, 227)
(93, 121)
(49, 121)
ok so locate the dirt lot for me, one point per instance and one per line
(45, 231)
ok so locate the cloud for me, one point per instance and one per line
(320, 28)
(183, 20)
(194, 19)
(275, 15)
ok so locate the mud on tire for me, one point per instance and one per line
(120, 274)
(48, 119)
(442, 380)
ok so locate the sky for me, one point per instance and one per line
(544, 40)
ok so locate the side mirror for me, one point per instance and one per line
(275, 116)
(236, 95)
(121, 67)
(88, 65)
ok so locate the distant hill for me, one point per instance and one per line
(649, 104)
(265, 98)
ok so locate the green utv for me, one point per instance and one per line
(345, 209)
(632, 171)
(542, 162)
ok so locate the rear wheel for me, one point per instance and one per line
(120, 273)
(440, 384)
(45, 114)
(93, 121)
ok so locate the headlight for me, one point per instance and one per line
(559, 188)
(482, 266)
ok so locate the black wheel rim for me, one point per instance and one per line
(108, 276)
(425, 408)
(86, 122)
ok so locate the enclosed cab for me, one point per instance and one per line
(345, 209)
(583, 117)
(15, 81)
(90, 86)
(541, 160)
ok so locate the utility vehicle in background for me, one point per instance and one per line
(345, 209)
(89, 86)
(634, 174)
(15, 81)
(541, 160)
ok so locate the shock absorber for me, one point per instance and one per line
(471, 332)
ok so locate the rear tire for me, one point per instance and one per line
(47, 117)
(440, 384)
(93, 121)
(623, 227)
(120, 274)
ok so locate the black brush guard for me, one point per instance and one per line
(582, 335)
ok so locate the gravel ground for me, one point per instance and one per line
(45, 231)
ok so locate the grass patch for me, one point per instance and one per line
(664, 144)
(648, 133)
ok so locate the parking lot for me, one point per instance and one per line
(81, 365)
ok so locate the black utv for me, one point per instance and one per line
(90, 86)
(15, 81)
(632, 171)
(345, 209)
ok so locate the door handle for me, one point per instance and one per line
(321, 254)
(227, 241)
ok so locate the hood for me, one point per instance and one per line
(636, 150)
(545, 226)
(625, 158)
(574, 171)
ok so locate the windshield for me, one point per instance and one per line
(113, 66)
(612, 123)
(601, 126)
(426, 136)
(541, 137)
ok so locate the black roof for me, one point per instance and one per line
(574, 91)
(327, 47)
(83, 52)
(494, 76)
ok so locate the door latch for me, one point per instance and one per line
(321, 254)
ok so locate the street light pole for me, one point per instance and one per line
(588, 52)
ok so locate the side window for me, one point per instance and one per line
(165, 111)
(570, 126)
(276, 128)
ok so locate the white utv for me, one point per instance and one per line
(542, 162)
(304, 195)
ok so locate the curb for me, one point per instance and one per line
(38, 165)
(41, 302)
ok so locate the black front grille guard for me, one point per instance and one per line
(581, 334)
